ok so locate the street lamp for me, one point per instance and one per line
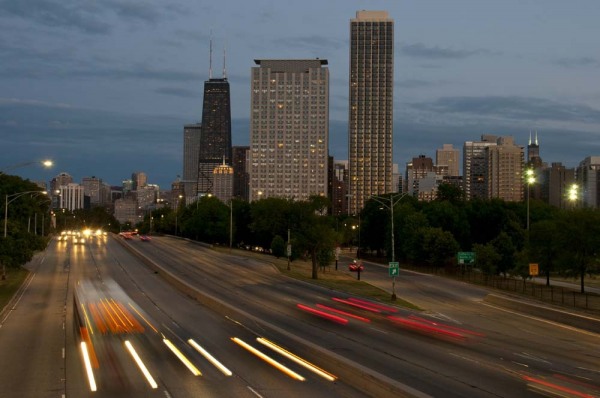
(10, 198)
(529, 179)
(573, 194)
(46, 163)
(389, 202)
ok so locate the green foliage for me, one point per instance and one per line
(505, 248)
(439, 247)
(278, 246)
(487, 258)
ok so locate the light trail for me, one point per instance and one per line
(88, 366)
(182, 358)
(297, 359)
(268, 359)
(210, 358)
(141, 365)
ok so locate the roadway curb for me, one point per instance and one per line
(354, 374)
(580, 321)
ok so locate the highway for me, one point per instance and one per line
(460, 346)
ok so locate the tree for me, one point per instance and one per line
(544, 246)
(486, 258)
(439, 246)
(580, 236)
(506, 250)
(278, 246)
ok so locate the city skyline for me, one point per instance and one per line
(105, 91)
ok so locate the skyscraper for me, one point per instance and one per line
(370, 125)
(475, 167)
(191, 149)
(505, 170)
(289, 129)
(449, 156)
(215, 139)
(241, 178)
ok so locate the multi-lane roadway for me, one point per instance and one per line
(233, 306)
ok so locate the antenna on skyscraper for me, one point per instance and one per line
(536, 141)
(529, 137)
(224, 71)
(210, 58)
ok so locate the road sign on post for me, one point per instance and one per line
(466, 257)
(534, 269)
(394, 268)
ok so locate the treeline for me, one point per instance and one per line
(562, 241)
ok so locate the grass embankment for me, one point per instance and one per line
(340, 280)
(10, 285)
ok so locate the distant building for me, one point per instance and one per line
(191, 152)
(71, 196)
(223, 182)
(126, 210)
(423, 177)
(241, 178)
(475, 167)
(177, 193)
(215, 139)
(93, 187)
(505, 170)
(338, 186)
(555, 183)
(140, 179)
(588, 178)
(450, 157)
(371, 97)
(289, 128)
(147, 196)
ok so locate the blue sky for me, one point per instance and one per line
(105, 87)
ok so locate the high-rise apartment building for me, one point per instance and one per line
(140, 179)
(191, 150)
(448, 156)
(289, 128)
(505, 170)
(475, 167)
(370, 124)
(555, 183)
(71, 196)
(215, 139)
(93, 188)
(588, 178)
(338, 186)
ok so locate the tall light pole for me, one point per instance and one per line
(9, 199)
(529, 179)
(230, 223)
(389, 202)
(45, 163)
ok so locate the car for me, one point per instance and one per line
(145, 238)
(356, 266)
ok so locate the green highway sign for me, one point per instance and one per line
(394, 268)
(466, 257)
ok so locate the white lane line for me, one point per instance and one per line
(254, 392)
(14, 307)
(571, 328)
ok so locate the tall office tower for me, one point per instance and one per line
(191, 149)
(555, 182)
(475, 167)
(223, 182)
(140, 179)
(505, 170)
(215, 140)
(92, 187)
(588, 178)
(533, 152)
(241, 178)
(60, 180)
(370, 124)
(448, 156)
(71, 196)
(289, 129)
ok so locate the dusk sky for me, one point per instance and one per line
(104, 87)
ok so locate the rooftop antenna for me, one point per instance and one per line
(210, 58)
(536, 140)
(530, 137)
(224, 71)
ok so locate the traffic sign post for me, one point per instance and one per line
(394, 271)
(466, 257)
(534, 269)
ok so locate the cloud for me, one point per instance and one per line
(314, 42)
(62, 14)
(419, 50)
(577, 62)
(179, 92)
(513, 107)
(413, 83)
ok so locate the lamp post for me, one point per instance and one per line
(389, 202)
(10, 198)
(230, 223)
(573, 194)
(529, 179)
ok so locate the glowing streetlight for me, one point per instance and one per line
(573, 194)
(529, 179)
(46, 163)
